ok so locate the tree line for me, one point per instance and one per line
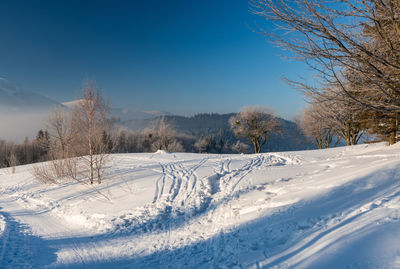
(63, 131)
(87, 132)
(82, 139)
(76, 143)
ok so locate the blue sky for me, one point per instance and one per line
(181, 56)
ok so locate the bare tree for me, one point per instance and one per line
(339, 113)
(164, 136)
(59, 128)
(12, 160)
(176, 146)
(56, 170)
(316, 125)
(347, 122)
(62, 164)
(255, 124)
(352, 44)
(89, 122)
(240, 147)
(206, 144)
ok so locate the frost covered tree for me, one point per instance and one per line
(255, 124)
(12, 160)
(240, 147)
(59, 129)
(89, 123)
(62, 164)
(339, 113)
(164, 136)
(317, 126)
(347, 122)
(206, 144)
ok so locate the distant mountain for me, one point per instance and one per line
(218, 125)
(22, 112)
(14, 99)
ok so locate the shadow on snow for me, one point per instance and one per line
(20, 249)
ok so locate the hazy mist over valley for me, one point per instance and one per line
(24, 113)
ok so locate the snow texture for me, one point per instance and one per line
(335, 208)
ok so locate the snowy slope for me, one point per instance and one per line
(336, 208)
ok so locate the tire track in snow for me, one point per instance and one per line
(242, 173)
(269, 160)
(180, 193)
(183, 183)
(159, 190)
(176, 182)
(176, 197)
(228, 181)
(220, 207)
(189, 175)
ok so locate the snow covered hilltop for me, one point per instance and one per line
(335, 208)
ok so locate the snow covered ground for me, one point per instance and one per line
(336, 208)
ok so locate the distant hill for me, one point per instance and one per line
(22, 112)
(218, 125)
(14, 99)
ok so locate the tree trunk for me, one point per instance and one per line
(91, 147)
(257, 147)
(393, 133)
(318, 143)
(99, 175)
(348, 141)
(355, 138)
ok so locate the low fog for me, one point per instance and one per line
(16, 126)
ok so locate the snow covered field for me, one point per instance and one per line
(336, 208)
